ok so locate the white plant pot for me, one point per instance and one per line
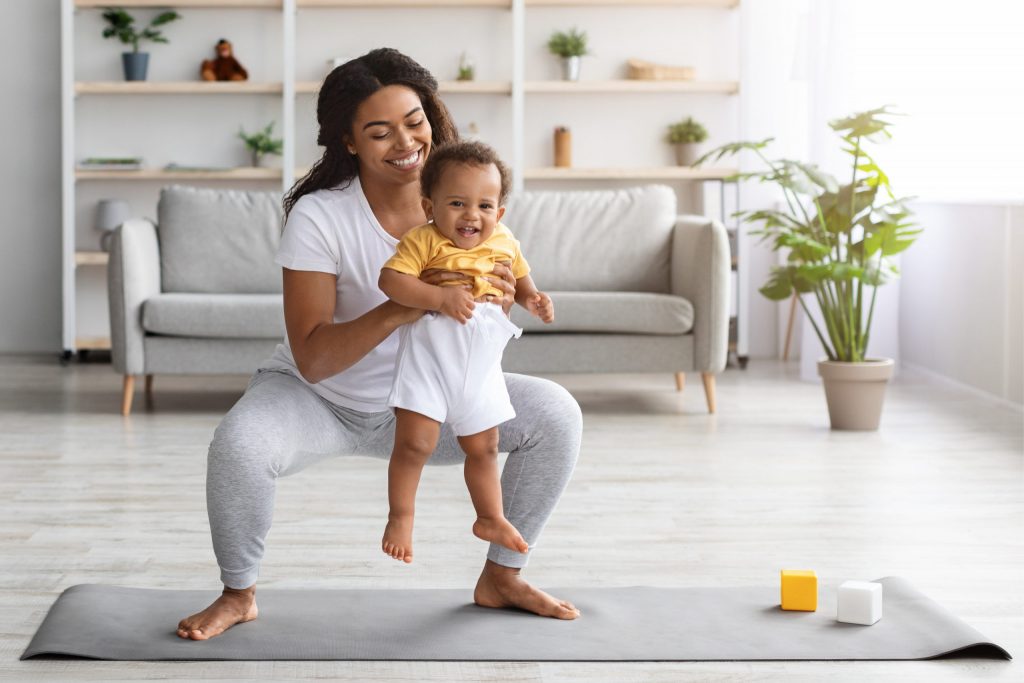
(855, 392)
(571, 68)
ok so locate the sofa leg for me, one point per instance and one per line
(127, 395)
(149, 389)
(680, 381)
(709, 389)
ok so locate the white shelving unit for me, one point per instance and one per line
(517, 89)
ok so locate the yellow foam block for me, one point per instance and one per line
(799, 590)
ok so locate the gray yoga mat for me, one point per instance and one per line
(618, 624)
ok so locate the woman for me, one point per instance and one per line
(323, 392)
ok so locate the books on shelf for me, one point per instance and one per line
(191, 168)
(110, 164)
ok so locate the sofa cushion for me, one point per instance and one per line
(600, 241)
(218, 241)
(612, 312)
(252, 316)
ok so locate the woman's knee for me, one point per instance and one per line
(550, 412)
(240, 441)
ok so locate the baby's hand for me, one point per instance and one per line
(457, 303)
(540, 305)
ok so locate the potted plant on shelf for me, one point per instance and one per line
(467, 70)
(839, 240)
(570, 46)
(122, 27)
(261, 143)
(686, 135)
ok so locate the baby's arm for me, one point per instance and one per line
(536, 302)
(408, 290)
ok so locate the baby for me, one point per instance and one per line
(449, 361)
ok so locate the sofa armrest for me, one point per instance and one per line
(700, 273)
(133, 276)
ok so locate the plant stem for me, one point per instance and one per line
(824, 345)
(871, 313)
(784, 190)
(854, 324)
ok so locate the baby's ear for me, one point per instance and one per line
(428, 208)
(501, 212)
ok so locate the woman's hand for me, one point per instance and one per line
(502, 278)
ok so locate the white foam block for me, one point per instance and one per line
(859, 602)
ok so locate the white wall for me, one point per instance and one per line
(962, 296)
(30, 290)
(607, 131)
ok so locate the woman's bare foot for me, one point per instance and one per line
(234, 606)
(397, 541)
(500, 586)
(500, 531)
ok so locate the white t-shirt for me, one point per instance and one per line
(334, 231)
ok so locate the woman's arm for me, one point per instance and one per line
(320, 346)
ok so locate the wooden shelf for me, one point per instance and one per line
(628, 86)
(661, 173)
(404, 3)
(160, 174)
(176, 88)
(181, 4)
(632, 3)
(445, 87)
(91, 258)
(92, 343)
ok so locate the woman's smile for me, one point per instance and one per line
(410, 160)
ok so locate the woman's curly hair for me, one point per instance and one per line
(342, 92)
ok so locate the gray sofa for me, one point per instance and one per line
(636, 288)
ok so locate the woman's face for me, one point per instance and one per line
(390, 136)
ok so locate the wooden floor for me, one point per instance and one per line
(664, 495)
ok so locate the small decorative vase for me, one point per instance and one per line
(563, 147)
(135, 65)
(686, 153)
(110, 213)
(855, 392)
(571, 68)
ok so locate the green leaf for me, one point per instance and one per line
(732, 149)
(779, 286)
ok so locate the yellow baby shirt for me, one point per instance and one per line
(424, 248)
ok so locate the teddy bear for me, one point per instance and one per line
(225, 67)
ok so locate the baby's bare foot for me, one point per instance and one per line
(232, 607)
(500, 531)
(397, 541)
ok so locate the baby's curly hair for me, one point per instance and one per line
(462, 152)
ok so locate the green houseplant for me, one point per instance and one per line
(261, 143)
(121, 25)
(839, 241)
(570, 46)
(686, 135)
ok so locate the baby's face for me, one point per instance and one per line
(464, 204)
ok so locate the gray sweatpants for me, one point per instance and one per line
(280, 427)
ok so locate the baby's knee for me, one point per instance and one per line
(418, 447)
(482, 445)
